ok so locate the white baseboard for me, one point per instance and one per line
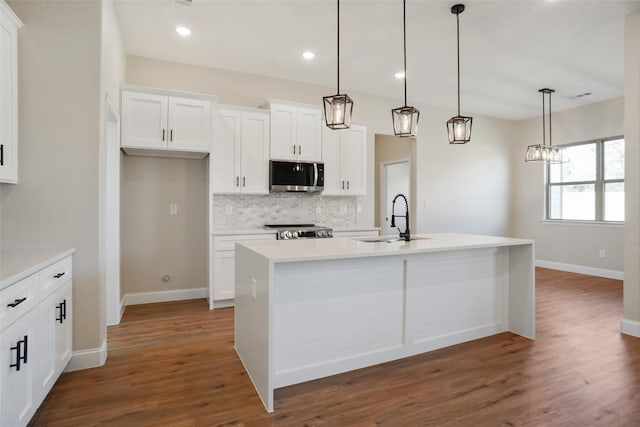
(164, 296)
(223, 303)
(630, 327)
(85, 359)
(591, 271)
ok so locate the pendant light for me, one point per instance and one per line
(542, 152)
(459, 127)
(338, 108)
(405, 118)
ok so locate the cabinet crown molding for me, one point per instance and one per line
(167, 92)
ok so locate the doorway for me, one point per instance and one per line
(395, 162)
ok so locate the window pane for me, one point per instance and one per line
(581, 165)
(614, 201)
(614, 159)
(572, 202)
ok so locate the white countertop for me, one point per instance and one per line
(16, 265)
(326, 249)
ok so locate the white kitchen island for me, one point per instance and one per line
(307, 309)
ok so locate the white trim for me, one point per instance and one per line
(223, 303)
(164, 296)
(575, 223)
(591, 271)
(165, 92)
(630, 327)
(90, 358)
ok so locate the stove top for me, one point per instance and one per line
(301, 231)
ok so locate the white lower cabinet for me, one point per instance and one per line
(36, 344)
(222, 283)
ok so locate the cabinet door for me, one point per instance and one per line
(223, 275)
(308, 134)
(255, 153)
(189, 124)
(283, 132)
(353, 144)
(144, 120)
(225, 155)
(332, 159)
(63, 345)
(8, 98)
(45, 363)
(18, 402)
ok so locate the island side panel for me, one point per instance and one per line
(522, 291)
(253, 274)
(455, 296)
(336, 315)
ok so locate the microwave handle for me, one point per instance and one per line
(315, 174)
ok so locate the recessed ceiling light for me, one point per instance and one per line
(183, 31)
(308, 55)
(399, 75)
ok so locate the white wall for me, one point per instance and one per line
(631, 316)
(55, 205)
(468, 187)
(565, 243)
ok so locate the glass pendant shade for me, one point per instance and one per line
(405, 121)
(337, 111)
(545, 154)
(459, 129)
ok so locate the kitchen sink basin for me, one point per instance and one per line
(387, 239)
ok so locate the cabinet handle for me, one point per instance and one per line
(294, 149)
(63, 311)
(244, 181)
(343, 185)
(171, 135)
(1, 154)
(163, 134)
(237, 181)
(17, 302)
(299, 149)
(347, 184)
(59, 275)
(20, 356)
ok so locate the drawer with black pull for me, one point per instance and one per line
(18, 299)
(54, 276)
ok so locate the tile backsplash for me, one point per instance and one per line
(253, 211)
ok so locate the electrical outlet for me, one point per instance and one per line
(173, 209)
(228, 209)
(359, 208)
(603, 253)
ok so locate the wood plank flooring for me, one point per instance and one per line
(173, 364)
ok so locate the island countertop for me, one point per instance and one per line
(325, 249)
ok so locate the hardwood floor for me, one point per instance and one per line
(173, 364)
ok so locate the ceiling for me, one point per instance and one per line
(509, 49)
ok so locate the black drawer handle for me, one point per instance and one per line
(59, 275)
(63, 311)
(17, 302)
(21, 353)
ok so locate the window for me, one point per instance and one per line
(590, 187)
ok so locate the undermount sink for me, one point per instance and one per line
(387, 239)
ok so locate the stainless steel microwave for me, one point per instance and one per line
(296, 176)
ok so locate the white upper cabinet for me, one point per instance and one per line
(295, 131)
(159, 123)
(240, 154)
(344, 153)
(9, 25)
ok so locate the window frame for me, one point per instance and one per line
(599, 184)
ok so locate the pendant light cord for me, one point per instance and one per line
(338, 73)
(404, 30)
(550, 143)
(544, 126)
(458, 38)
